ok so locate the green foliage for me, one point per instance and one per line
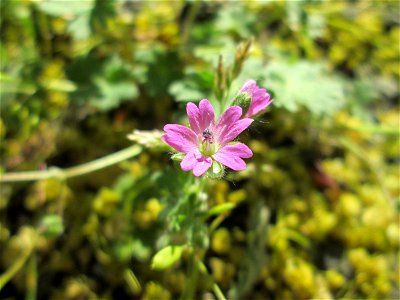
(166, 257)
(193, 87)
(306, 84)
(221, 208)
(115, 87)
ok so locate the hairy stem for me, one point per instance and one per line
(189, 291)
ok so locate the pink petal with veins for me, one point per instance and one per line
(200, 117)
(203, 164)
(234, 130)
(260, 97)
(195, 161)
(207, 114)
(190, 160)
(228, 118)
(231, 156)
(194, 117)
(179, 137)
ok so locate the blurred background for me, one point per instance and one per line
(316, 213)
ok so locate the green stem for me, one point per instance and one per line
(216, 289)
(79, 170)
(191, 282)
(215, 223)
(197, 187)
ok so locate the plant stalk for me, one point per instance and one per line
(191, 283)
(79, 170)
(216, 289)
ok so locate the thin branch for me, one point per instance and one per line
(216, 289)
(79, 170)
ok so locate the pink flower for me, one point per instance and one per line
(260, 98)
(205, 141)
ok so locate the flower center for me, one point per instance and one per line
(207, 146)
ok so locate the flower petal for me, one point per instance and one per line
(194, 117)
(203, 164)
(195, 161)
(231, 156)
(249, 85)
(260, 97)
(228, 118)
(201, 117)
(258, 104)
(189, 161)
(179, 137)
(234, 130)
(207, 117)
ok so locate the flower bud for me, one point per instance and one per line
(242, 52)
(243, 100)
(220, 79)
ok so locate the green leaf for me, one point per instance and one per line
(61, 85)
(77, 12)
(221, 208)
(194, 87)
(65, 8)
(304, 84)
(113, 93)
(115, 85)
(228, 20)
(79, 27)
(103, 11)
(185, 91)
(166, 257)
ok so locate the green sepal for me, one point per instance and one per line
(217, 170)
(178, 156)
(243, 100)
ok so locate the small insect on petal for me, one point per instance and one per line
(207, 133)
